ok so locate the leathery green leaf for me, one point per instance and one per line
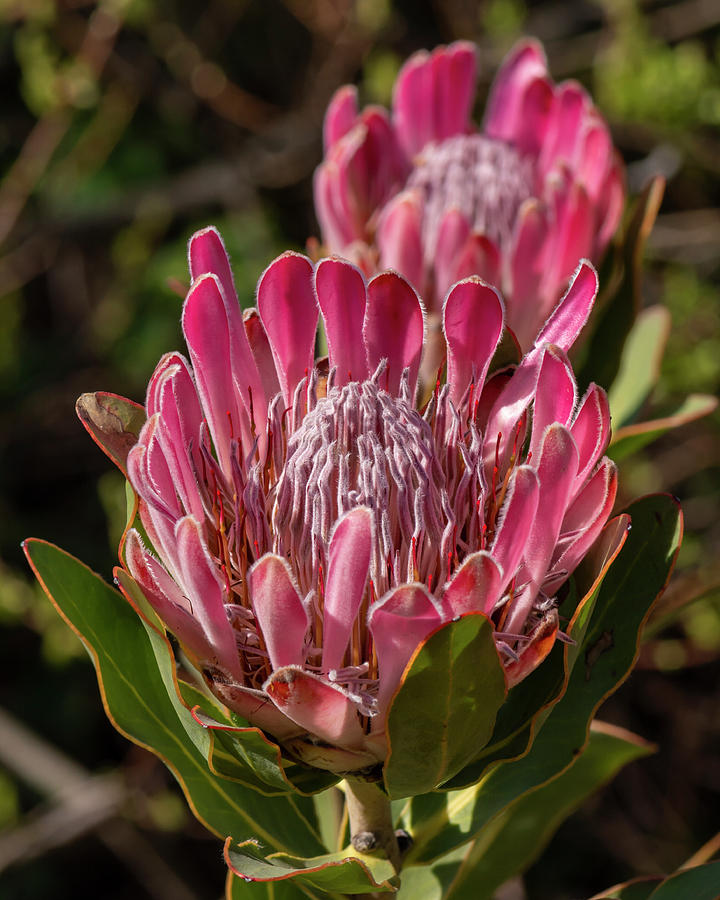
(529, 823)
(632, 438)
(529, 703)
(608, 650)
(699, 883)
(445, 708)
(346, 872)
(140, 705)
(639, 364)
(239, 889)
(637, 889)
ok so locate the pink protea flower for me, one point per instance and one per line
(518, 203)
(312, 526)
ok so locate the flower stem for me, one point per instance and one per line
(371, 824)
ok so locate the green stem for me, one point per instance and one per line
(371, 824)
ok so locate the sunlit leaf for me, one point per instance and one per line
(639, 364)
(634, 437)
(140, 705)
(445, 708)
(529, 823)
(347, 871)
(604, 659)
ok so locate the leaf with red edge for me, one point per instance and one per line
(347, 871)
(141, 706)
(445, 707)
(603, 660)
(530, 701)
(113, 422)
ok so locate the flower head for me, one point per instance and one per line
(519, 202)
(311, 526)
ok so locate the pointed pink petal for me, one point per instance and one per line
(341, 115)
(279, 610)
(611, 203)
(570, 104)
(516, 520)
(166, 598)
(591, 499)
(475, 587)
(480, 256)
(399, 238)
(321, 708)
(206, 593)
(289, 313)
(337, 227)
(205, 325)
(596, 158)
(529, 247)
(179, 433)
(573, 235)
(454, 71)
(341, 294)
(207, 255)
(555, 396)
(472, 322)
(572, 312)
(412, 111)
(591, 430)
(349, 556)
(525, 62)
(262, 353)
(556, 469)
(588, 515)
(398, 622)
(433, 96)
(257, 708)
(394, 329)
(534, 109)
(453, 235)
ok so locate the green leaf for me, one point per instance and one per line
(514, 840)
(141, 706)
(700, 883)
(634, 437)
(639, 364)
(604, 658)
(431, 882)
(529, 703)
(113, 422)
(445, 708)
(637, 889)
(239, 889)
(347, 872)
(616, 316)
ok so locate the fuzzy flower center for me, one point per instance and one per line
(486, 180)
(360, 446)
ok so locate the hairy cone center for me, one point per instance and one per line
(486, 180)
(360, 446)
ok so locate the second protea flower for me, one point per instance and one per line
(518, 202)
(311, 526)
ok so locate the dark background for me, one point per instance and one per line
(128, 124)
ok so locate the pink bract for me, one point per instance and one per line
(311, 525)
(422, 191)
